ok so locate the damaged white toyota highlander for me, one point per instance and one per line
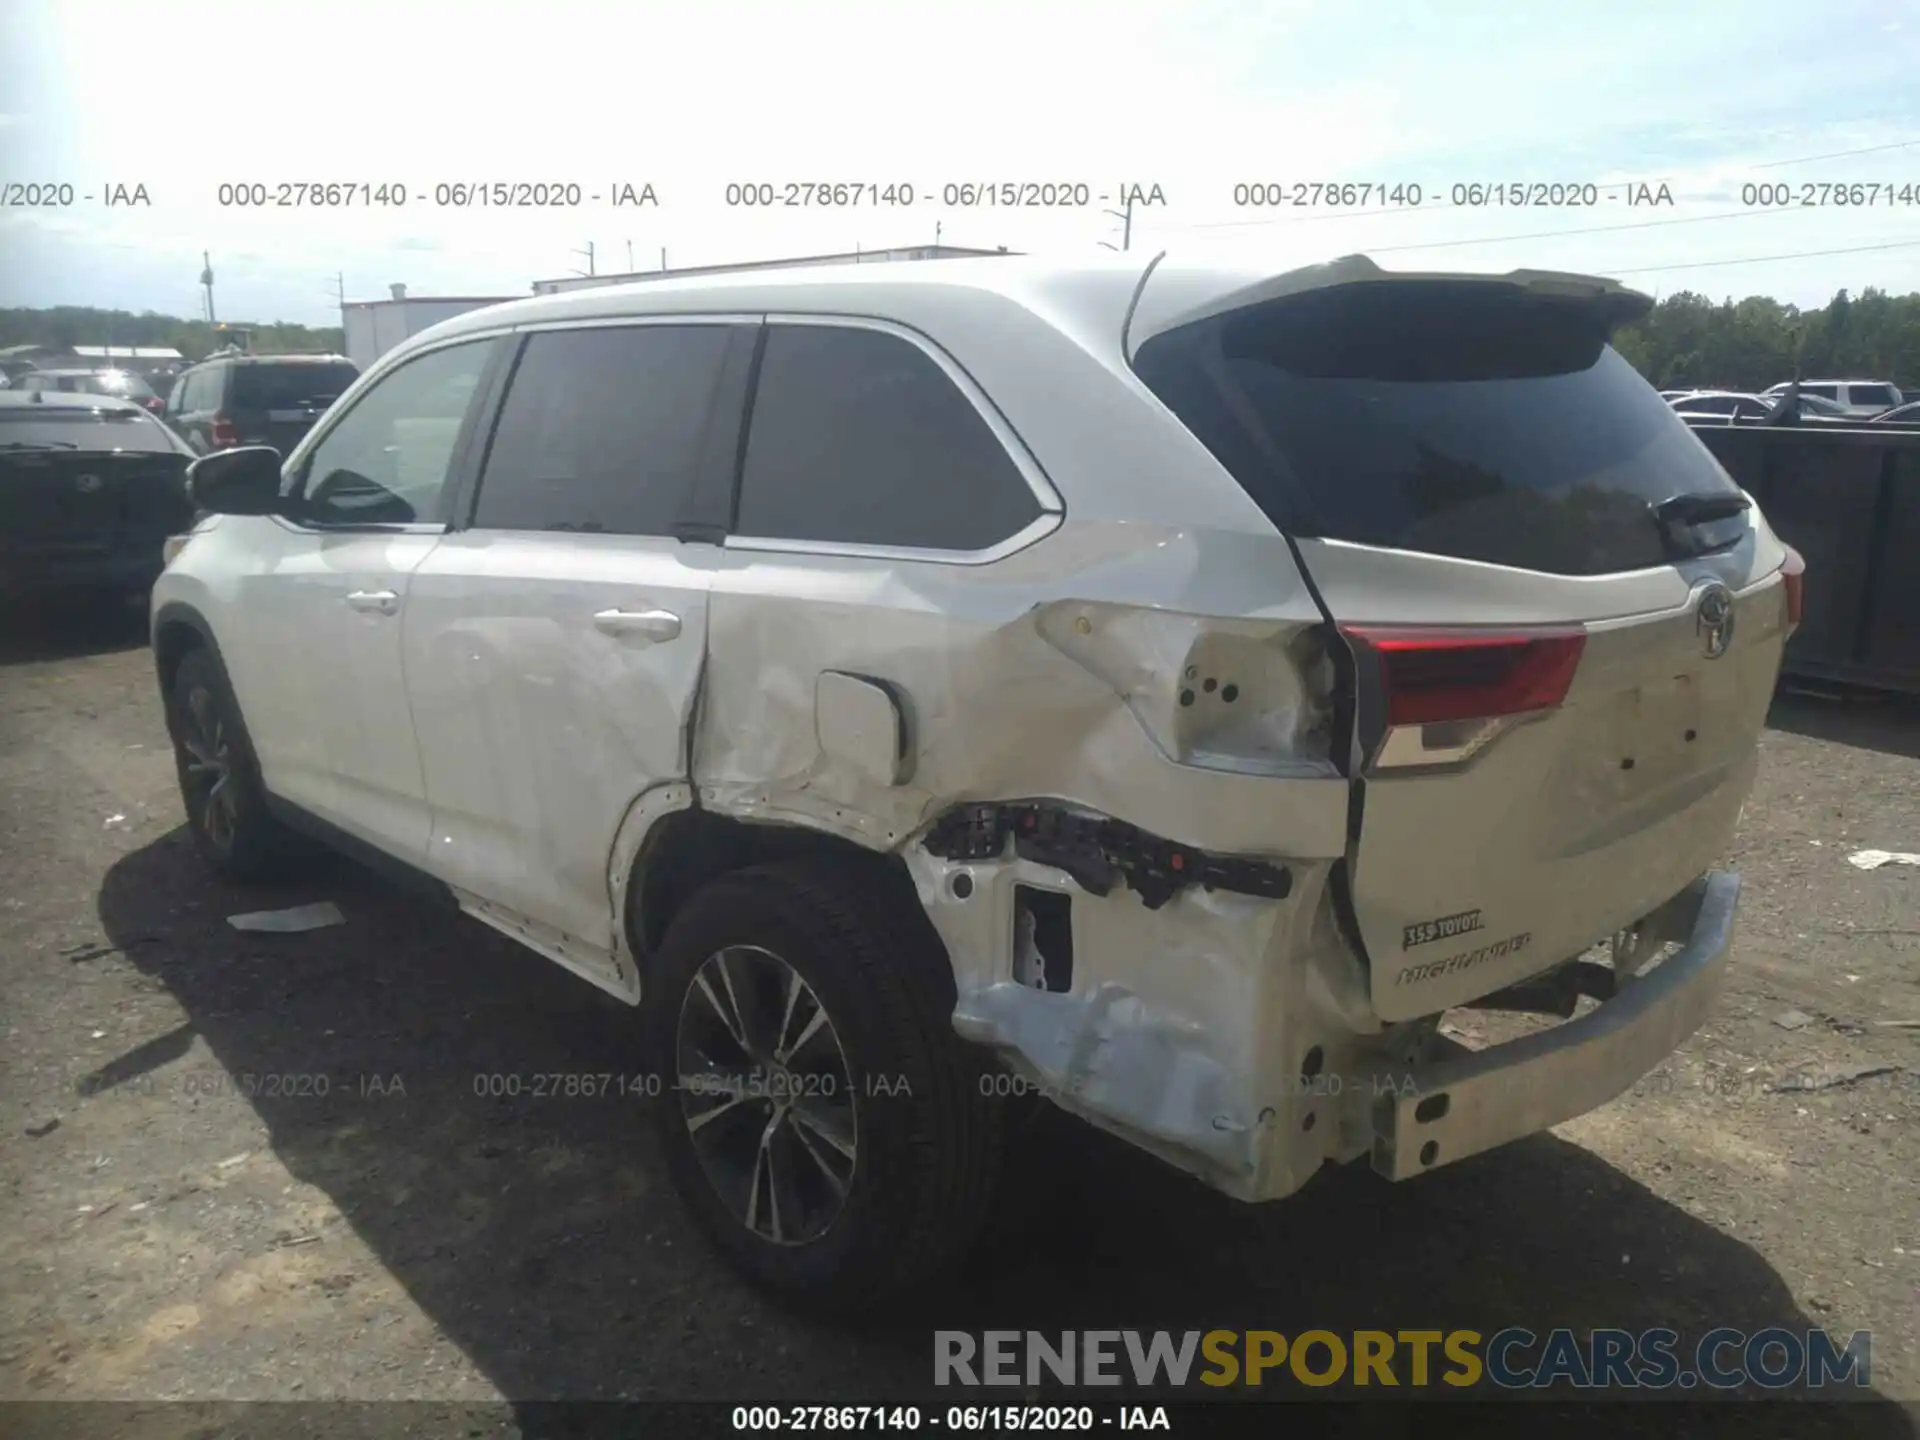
(1167, 689)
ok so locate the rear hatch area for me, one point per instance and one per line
(276, 404)
(76, 486)
(1558, 622)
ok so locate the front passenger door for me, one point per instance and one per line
(320, 620)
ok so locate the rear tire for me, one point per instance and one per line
(841, 1171)
(220, 778)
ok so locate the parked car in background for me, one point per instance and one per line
(1853, 397)
(118, 384)
(233, 399)
(91, 487)
(1163, 688)
(1731, 405)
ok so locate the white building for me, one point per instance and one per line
(373, 327)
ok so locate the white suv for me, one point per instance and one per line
(1166, 690)
(1859, 398)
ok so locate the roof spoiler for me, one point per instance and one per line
(1180, 302)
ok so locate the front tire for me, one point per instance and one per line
(219, 777)
(821, 1120)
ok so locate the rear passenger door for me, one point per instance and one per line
(554, 641)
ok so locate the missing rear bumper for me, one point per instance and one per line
(1466, 1101)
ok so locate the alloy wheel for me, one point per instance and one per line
(767, 1094)
(208, 765)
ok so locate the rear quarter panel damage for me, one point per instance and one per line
(1042, 677)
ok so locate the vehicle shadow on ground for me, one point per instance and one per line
(1864, 719)
(40, 628)
(539, 1235)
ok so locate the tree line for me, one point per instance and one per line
(67, 325)
(1687, 341)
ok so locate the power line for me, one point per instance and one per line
(1836, 155)
(1583, 230)
(1410, 210)
(1766, 259)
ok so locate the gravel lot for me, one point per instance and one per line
(366, 1226)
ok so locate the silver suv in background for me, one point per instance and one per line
(1160, 688)
(1860, 398)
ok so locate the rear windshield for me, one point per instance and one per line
(276, 387)
(32, 428)
(1462, 419)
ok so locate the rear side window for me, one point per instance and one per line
(1468, 420)
(602, 430)
(203, 389)
(307, 385)
(1872, 395)
(859, 438)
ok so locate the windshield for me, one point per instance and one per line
(1464, 419)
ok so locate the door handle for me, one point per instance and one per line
(648, 624)
(377, 602)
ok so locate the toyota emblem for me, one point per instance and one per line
(1715, 619)
(86, 484)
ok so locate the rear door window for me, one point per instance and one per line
(859, 437)
(601, 430)
(1881, 395)
(1468, 420)
(1825, 392)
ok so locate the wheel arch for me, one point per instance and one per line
(671, 847)
(177, 629)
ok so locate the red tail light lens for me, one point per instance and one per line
(223, 432)
(1433, 676)
(1794, 575)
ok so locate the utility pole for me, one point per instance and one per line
(206, 279)
(936, 234)
(1125, 217)
(588, 252)
(630, 257)
(663, 257)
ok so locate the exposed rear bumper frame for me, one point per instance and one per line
(1464, 1101)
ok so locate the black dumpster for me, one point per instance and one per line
(1847, 497)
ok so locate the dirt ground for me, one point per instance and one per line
(356, 1222)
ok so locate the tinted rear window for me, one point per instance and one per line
(1872, 395)
(84, 429)
(860, 438)
(275, 387)
(1459, 419)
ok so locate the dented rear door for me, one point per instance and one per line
(1562, 621)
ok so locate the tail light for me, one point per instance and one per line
(1793, 575)
(1444, 694)
(223, 432)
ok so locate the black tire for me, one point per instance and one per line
(928, 1146)
(231, 826)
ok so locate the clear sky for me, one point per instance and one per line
(1195, 96)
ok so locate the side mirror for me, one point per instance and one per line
(245, 481)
